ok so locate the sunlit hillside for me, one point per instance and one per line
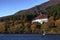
(22, 24)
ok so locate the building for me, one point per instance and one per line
(41, 18)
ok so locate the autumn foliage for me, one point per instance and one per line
(22, 24)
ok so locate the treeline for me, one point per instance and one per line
(16, 24)
(26, 27)
(21, 24)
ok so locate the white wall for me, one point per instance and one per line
(40, 20)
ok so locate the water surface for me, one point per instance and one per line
(28, 37)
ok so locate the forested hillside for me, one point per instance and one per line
(21, 24)
(54, 11)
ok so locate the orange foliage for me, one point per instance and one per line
(51, 18)
(33, 26)
(51, 21)
(26, 24)
(44, 26)
(57, 22)
(2, 28)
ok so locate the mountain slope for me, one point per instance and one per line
(35, 10)
(20, 22)
(39, 8)
(54, 11)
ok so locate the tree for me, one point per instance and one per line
(51, 22)
(19, 28)
(6, 26)
(33, 27)
(2, 28)
(44, 27)
(27, 28)
(57, 23)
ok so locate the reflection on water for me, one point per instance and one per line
(28, 37)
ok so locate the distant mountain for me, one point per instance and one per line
(39, 8)
(35, 10)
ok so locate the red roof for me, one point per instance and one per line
(41, 16)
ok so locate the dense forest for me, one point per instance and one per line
(22, 24)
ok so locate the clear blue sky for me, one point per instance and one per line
(9, 7)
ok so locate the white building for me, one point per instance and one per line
(41, 18)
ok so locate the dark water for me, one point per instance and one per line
(28, 37)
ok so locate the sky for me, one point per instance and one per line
(9, 7)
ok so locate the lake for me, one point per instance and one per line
(29, 37)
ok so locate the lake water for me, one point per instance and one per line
(28, 37)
